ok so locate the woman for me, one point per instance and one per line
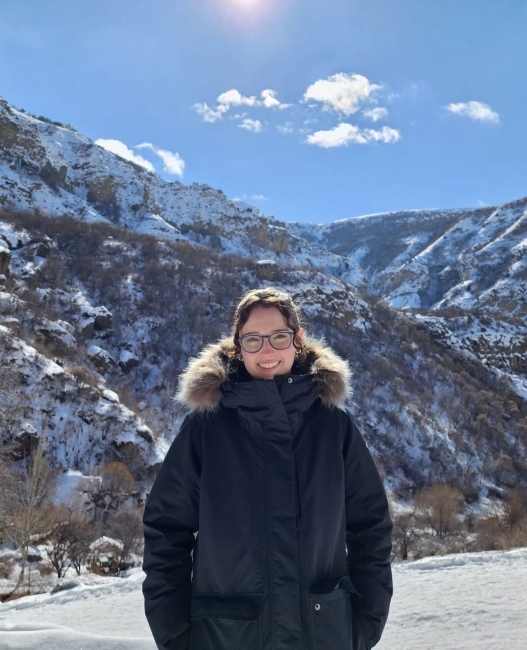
(293, 550)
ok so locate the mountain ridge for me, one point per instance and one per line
(107, 267)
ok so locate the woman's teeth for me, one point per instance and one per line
(268, 366)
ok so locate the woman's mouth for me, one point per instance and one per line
(269, 366)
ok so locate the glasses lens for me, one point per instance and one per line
(252, 343)
(280, 340)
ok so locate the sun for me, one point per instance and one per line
(248, 10)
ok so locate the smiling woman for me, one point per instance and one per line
(267, 525)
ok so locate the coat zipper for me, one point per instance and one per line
(269, 562)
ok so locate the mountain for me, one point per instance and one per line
(111, 277)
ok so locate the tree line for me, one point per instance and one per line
(106, 504)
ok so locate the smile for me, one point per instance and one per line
(268, 366)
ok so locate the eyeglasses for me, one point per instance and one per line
(278, 340)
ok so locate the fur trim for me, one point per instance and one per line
(331, 372)
(200, 384)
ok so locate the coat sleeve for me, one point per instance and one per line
(368, 537)
(170, 520)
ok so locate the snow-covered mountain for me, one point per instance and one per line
(433, 259)
(134, 273)
(423, 259)
(56, 169)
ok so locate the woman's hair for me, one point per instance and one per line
(268, 297)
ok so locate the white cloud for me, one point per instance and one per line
(475, 110)
(269, 98)
(255, 126)
(482, 204)
(233, 97)
(250, 197)
(119, 148)
(386, 135)
(285, 129)
(172, 161)
(345, 134)
(342, 92)
(375, 114)
(209, 114)
(270, 101)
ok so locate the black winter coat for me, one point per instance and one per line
(293, 550)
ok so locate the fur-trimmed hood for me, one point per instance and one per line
(200, 384)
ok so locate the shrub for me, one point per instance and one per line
(6, 567)
(440, 507)
(83, 375)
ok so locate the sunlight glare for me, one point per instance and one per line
(246, 13)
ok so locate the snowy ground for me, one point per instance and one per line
(474, 601)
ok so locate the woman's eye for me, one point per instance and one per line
(252, 339)
(280, 337)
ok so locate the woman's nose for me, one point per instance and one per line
(267, 347)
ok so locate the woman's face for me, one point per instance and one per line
(268, 362)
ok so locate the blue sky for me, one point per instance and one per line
(313, 110)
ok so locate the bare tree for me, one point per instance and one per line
(25, 493)
(69, 540)
(80, 549)
(405, 534)
(126, 526)
(439, 508)
(114, 487)
(505, 526)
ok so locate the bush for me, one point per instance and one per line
(6, 567)
(505, 526)
(405, 535)
(126, 526)
(83, 375)
(116, 486)
(440, 507)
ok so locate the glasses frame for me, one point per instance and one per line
(267, 336)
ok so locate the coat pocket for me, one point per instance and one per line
(225, 622)
(331, 617)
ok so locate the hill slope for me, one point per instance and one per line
(139, 273)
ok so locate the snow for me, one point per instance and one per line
(265, 262)
(96, 352)
(77, 432)
(110, 396)
(104, 542)
(13, 238)
(126, 356)
(473, 600)
(66, 491)
(105, 616)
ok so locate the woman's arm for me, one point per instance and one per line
(368, 536)
(171, 518)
